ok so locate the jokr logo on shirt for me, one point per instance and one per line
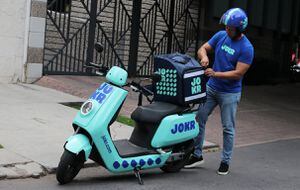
(227, 49)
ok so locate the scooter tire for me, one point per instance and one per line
(68, 167)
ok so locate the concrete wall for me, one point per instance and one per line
(13, 18)
(21, 40)
(34, 62)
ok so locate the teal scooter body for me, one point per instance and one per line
(174, 129)
(106, 100)
(92, 135)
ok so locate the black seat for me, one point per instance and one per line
(155, 112)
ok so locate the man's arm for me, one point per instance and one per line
(202, 54)
(238, 73)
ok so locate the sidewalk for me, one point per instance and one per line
(34, 127)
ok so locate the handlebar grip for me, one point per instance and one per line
(135, 86)
(95, 65)
(101, 68)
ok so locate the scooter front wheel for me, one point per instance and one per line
(68, 167)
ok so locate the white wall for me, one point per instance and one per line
(14, 20)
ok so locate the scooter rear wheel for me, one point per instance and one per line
(68, 167)
(175, 166)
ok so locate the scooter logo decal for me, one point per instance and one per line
(116, 164)
(196, 85)
(133, 163)
(150, 162)
(142, 162)
(106, 143)
(183, 127)
(102, 92)
(158, 161)
(125, 164)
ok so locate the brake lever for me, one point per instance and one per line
(95, 65)
(99, 73)
(89, 66)
(134, 86)
(135, 89)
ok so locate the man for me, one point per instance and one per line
(233, 57)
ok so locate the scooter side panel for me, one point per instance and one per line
(116, 164)
(98, 98)
(77, 143)
(174, 129)
(99, 124)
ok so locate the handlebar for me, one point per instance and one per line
(137, 87)
(143, 90)
(100, 70)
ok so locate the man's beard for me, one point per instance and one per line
(237, 35)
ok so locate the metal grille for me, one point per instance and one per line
(166, 27)
(73, 26)
(113, 31)
(68, 35)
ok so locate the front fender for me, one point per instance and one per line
(78, 143)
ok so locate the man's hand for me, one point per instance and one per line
(210, 72)
(202, 54)
(204, 61)
(237, 74)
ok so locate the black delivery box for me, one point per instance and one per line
(182, 80)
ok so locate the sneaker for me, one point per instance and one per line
(223, 169)
(194, 162)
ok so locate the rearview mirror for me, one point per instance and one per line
(99, 47)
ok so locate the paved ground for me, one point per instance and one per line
(270, 166)
(34, 125)
(266, 113)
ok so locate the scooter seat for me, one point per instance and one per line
(155, 112)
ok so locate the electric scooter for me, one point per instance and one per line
(295, 64)
(162, 136)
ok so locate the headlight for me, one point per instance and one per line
(86, 108)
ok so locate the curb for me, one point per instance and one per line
(86, 165)
(34, 170)
(22, 170)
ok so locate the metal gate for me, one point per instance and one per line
(132, 32)
(165, 27)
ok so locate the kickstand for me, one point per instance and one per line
(138, 175)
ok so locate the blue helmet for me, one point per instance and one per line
(235, 17)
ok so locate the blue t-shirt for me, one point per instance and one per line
(227, 53)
